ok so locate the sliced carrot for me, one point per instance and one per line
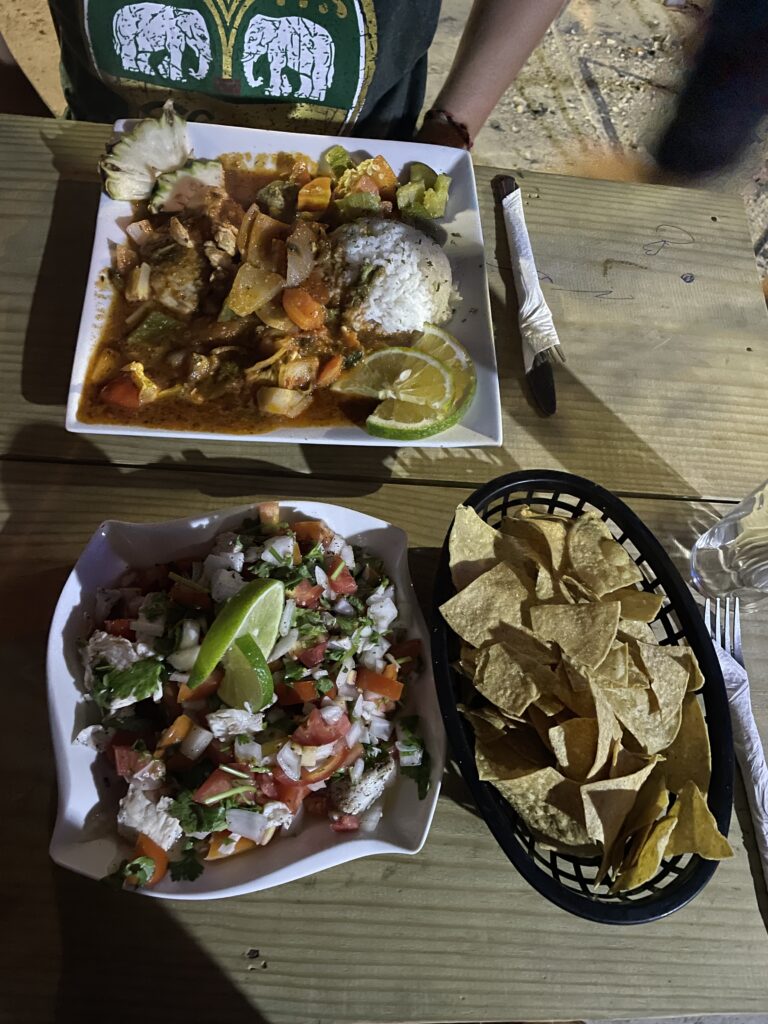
(330, 372)
(300, 692)
(303, 310)
(174, 734)
(146, 847)
(310, 532)
(378, 683)
(222, 847)
(122, 392)
(384, 177)
(390, 671)
(204, 689)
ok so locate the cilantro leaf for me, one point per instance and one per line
(195, 817)
(138, 682)
(136, 872)
(420, 773)
(188, 867)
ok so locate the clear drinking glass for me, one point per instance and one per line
(732, 556)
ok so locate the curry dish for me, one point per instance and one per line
(233, 310)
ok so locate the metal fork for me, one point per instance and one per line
(727, 631)
(726, 638)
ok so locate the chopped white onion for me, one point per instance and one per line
(335, 544)
(410, 756)
(371, 818)
(179, 677)
(195, 742)
(94, 736)
(278, 551)
(190, 634)
(185, 659)
(286, 618)
(289, 759)
(248, 750)
(356, 771)
(322, 580)
(353, 735)
(284, 645)
(151, 776)
(331, 713)
(296, 823)
(343, 607)
(249, 824)
(357, 710)
(313, 787)
(381, 728)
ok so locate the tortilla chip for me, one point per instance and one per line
(649, 858)
(552, 530)
(523, 641)
(545, 588)
(629, 629)
(541, 798)
(579, 592)
(608, 729)
(689, 758)
(494, 598)
(584, 631)
(606, 806)
(651, 803)
(510, 681)
(686, 657)
(638, 605)
(614, 666)
(697, 830)
(484, 719)
(500, 758)
(597, 559)
(575, 744)
(631, 705)
(578, 699)
(475, 547)
(550, 705)
(669, 679)
(625, 762)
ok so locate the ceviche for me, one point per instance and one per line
(250, 294)
(243, 693)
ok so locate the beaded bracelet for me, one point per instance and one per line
(443, 117)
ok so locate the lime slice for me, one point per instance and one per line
(401, 374)
(443, 346)
(254, 611)
(247, 679)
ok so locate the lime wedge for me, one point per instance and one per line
(401, 374)
(254, 611)
(247, 679)
(443, 346)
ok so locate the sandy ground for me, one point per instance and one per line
(592, 96)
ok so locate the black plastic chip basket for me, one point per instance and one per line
(565, 880)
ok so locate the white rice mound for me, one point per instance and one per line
(416, 286)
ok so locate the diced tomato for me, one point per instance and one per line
(171, 699)
(365, 679)
(346, 823)
(312, 656)
(406, 649)
(267, 785)
(300, 692)
(190, 597)
(344, 755)
(307, 596)
(289, 792)
(316, 732)
(218, 782)
(317, 804)
(340, 579)
(129, 761)
(146, 847)
(120, 627)
(220, 752)
(205, 689)
(122, 391)
(125, 738)
(310, 532)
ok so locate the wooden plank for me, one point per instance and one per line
(650, 382)
(453, 934)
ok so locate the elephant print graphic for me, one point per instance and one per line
(288, 57)
(155, 39)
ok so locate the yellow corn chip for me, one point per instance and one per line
(689, 758)
(630, 629)
(475, 547)
(606, 806)
(548, 803)
(584, 631)
(596, 559)
(638, 605)
(575, 745)
(649, 858)
(686, 657)
(481, 607)
(697, 830)
(510, 681)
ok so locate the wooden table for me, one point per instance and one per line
(663, 400)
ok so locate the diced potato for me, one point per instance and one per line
(298, 373)
(283, 402)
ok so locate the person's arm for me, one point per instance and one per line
(497, 40)
(17, 96)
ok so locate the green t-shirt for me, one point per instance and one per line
(328, 66)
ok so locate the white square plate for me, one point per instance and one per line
(471, 324)
(85, 837)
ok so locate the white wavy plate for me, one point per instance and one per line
(85, 837)
(481, 425)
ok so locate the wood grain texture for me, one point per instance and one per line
(665, 377)
(452, 934)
